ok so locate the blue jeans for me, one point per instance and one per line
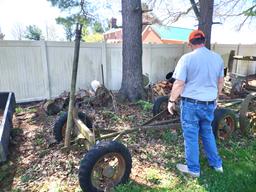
(196, 120)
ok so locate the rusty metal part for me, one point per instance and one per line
(155, 117)
(229, 103)
(251, 82)
(237, 85)
(243, 120)
(108, 171)
(140, 128)
(226, 127)
(234, 85)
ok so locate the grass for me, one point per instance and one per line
(239, 162)
(145, 105)
(111, 115)
(19, 109)
(7, 171)
(153, 176)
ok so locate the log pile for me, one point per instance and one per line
(101, 98)
(161, 88)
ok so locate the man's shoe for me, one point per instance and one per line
(218, 169)
(184, 168)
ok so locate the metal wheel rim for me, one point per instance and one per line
(251, 110)
(226, 127)
(102, 182)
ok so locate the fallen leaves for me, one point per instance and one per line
(42, 165)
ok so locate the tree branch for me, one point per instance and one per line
(195, 8)
(177, 15)
(242, 24)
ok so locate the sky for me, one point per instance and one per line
(14, 13)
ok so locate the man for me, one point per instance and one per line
(199, 80)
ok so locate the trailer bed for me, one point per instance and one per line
(7, 108)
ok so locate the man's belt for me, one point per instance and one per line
(197, 101)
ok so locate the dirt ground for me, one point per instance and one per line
(38, 163)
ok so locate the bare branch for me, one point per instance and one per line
(230, 4)
(146, 11)
(243, 22)
(84, 12)
(223, 10)
(195, 8)
(175, 16)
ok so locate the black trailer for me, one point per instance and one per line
(7, 108)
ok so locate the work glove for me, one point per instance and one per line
(171, 107)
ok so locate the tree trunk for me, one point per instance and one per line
(132, 81)
(205, 21)
(73, 85)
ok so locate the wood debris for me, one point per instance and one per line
(161, 88)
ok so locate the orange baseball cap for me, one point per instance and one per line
(196, 34)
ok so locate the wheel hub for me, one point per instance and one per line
(226, 128)
(108, 172)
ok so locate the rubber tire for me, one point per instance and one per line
(59, 124)
(219, 115)
(94, 154)
(157, 104)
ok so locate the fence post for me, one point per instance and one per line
(237, 53)
(104, 63)
(150, 62)
(184, 48)
(214, 46)
(46, 69)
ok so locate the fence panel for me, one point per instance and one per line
(247, 67)
(22, 70)
(114, 66)
(36, 70)
(60, 60)
(164, 59)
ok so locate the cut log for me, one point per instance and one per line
(52, 107)
(102, 98)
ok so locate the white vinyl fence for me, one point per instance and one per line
(36, 70)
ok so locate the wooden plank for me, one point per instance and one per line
(85, 131)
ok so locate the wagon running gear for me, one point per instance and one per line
(104, 166)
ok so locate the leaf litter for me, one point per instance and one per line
(38, 163)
